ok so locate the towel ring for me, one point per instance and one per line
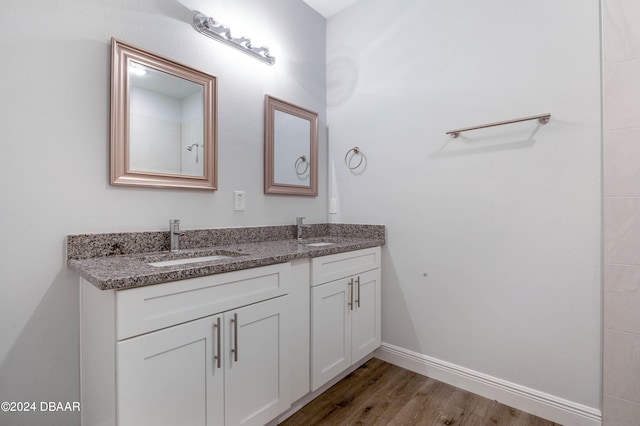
(301, 160)
(347, 158)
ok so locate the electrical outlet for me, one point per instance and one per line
(239, 201)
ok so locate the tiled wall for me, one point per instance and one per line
(621, 370)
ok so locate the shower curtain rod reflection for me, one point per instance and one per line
(542, 118)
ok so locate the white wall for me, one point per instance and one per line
(54, 126)
(505, 222)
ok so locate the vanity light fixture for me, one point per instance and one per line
(214, 29)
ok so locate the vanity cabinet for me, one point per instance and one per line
(235, 357)
(234, 348)
(345, 311)
(203, 351)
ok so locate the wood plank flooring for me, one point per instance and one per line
(379, 393)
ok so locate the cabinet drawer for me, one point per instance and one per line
(341, 265)
(144, 309)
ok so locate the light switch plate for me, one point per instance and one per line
(333, 206)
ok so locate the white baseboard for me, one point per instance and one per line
(541, 404)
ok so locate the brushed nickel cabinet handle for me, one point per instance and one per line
(218, 356)
(358, 282)
(234, 350)
(350, 303)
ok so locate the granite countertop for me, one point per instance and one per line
(121, 261)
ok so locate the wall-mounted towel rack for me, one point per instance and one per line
(542, 118)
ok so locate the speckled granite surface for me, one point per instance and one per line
(120, 260)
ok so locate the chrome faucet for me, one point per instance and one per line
(300, 227)
(174, 231)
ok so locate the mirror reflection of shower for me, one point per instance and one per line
(197, 147)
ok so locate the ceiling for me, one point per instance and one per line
(329, 7)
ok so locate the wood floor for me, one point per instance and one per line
(379, 393)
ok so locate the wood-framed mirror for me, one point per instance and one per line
(163, 121)
(291, 149)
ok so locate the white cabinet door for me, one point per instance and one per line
(365, 318)
(256, 363)
(169, 377)
(331, 331)
(345, 324)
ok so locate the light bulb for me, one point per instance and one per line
(137, 70)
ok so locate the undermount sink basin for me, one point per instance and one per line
(319, 244)
(190, 260)
(173, 259)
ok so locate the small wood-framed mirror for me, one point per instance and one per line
(291, 149)
(163, 121)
